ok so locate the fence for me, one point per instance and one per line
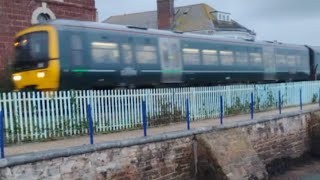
(34, 116)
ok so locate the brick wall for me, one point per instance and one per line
(254, 151)
(163, 160)
(165, 13)
(281, 139)
(16, 15)
(231, 154)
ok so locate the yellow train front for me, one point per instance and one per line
(36, 65)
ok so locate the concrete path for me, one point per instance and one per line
(78, 141)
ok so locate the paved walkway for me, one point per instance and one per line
(78, 141)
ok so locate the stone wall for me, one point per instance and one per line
(280, 142)
(172, 159)
(247, 150)
(256, 150)
(314, 133)
(232, 151)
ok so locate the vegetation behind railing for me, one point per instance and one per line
(37, 116)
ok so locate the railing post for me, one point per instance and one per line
(221, 110)
(144, 117)
(252, 106)
(90, 123)
(2, 133)
(279, 101)
(300, 99)
(187, 114)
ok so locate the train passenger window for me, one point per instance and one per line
(127, 53)
(304, 60)
(146, 54)
(226, 57)
(76, 50)
(281, 59)
(105, 52)
(209, 57)
(298, 60)
(242, 57)
(256, 58)
(191, 56)
(291, 60)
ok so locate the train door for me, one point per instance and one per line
(269, 63)
(73, 60)
(171, 64)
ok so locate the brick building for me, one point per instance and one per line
(16, 15)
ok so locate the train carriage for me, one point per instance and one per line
(68, 54)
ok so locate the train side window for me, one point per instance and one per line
(105, 52)
(209, 57)
(291, 60)
(76, 50)
(226, 57)
(127, 53)
(191, 56)
(298, 60)
(281, 59)
(304, 60)
(256, 58)
(146, 54)
(242, 57)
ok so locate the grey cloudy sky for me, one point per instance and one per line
(290, 21)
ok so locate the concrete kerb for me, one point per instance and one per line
(57, 153)
(264, 119)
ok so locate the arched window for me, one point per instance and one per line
(42, 14)
(42, 18)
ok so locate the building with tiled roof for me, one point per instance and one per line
(198, 18)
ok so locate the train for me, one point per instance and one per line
(71, 54)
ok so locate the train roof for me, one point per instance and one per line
(114, 27)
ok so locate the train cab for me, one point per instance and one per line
(36, 63)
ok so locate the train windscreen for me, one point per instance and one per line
(31, 51)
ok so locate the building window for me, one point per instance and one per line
(42, 14)
(222, 16)
(42, 18)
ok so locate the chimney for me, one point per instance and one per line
(165, 14)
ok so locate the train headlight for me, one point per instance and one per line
(41, 74)
(17, 78)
